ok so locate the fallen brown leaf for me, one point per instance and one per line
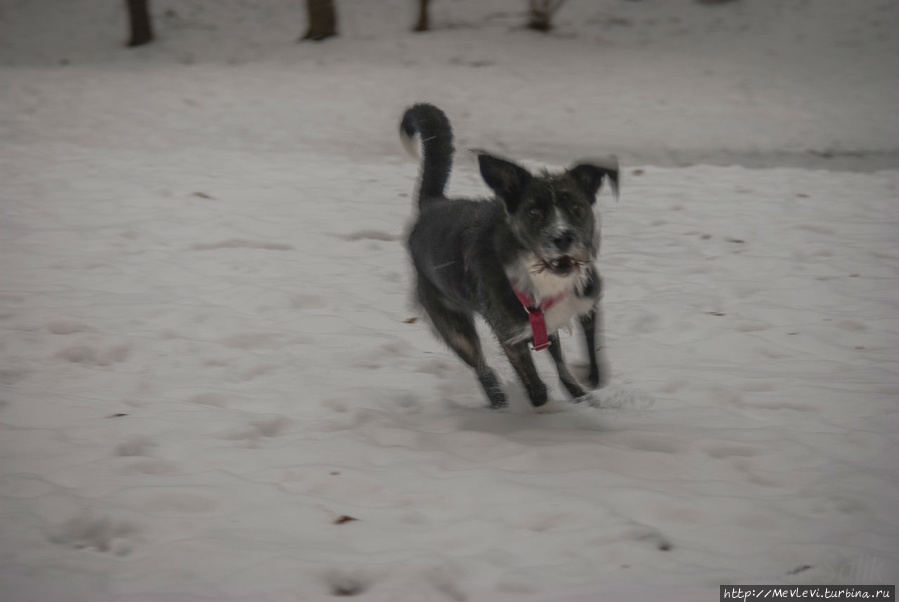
(344, 519)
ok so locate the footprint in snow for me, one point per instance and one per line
(64, 327)
(661, 543)
(369, 235)
(88, 355)
(612, 397)
(101, 533)
(10, 376)
(237, 243)
(218, 400)
(342, 582)
(175, 501)
(267, 427)
(138, 446)
(730, 450)
(308, 301)
(250, 341)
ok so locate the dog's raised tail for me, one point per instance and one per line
(431, 126)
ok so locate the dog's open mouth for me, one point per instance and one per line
(560, 266)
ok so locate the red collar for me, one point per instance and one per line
(537, 317)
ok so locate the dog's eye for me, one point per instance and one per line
(564, 197)
(535, 212)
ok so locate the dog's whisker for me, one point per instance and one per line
(444, 265)
(545, 265)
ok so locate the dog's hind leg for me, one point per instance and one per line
(457, 329)
(520, 357)
(599, 369)
(568, 381)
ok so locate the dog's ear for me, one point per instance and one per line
(590, 175)
(507, 179)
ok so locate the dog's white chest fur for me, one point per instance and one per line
(559, 316)
(545, 286)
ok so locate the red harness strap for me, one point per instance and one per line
(537, 317)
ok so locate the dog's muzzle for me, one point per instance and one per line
(562, 265)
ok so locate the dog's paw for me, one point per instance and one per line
(598, 377)
(590, 398)
(574, 389)
(599, 374)
(493, 389)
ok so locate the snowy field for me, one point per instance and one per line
(211, 385)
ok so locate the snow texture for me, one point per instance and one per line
(211, 387)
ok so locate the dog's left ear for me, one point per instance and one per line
(507, 179)
(589, 176)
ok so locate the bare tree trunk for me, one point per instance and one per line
(140, 22)
(322, 20)
(541, 14)
(424, 22)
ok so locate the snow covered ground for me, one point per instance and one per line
(207, 367)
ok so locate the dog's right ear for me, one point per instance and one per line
(589, 175)
(507, 179)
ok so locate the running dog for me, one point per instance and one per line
(524, 260)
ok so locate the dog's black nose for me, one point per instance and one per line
(563, 240)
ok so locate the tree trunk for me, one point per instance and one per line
(322, 20)
(539, 20)
(141, 24)
(424, 23)
(541, 14)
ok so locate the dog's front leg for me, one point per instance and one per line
(520, 357)
(568, 380)
(593, 334)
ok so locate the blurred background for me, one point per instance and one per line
(672, 82)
